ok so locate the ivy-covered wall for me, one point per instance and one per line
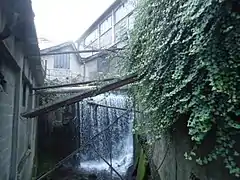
(188, 53)
(169, 161)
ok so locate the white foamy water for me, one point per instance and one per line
(118, 140)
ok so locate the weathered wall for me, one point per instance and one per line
(14, 129)
(6, 121)
(76, 68)
(101, 65)
(16, 133)
(58, 136)
(91, 69)
(169, 151)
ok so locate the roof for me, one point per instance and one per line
(100, 18)
(25, 32)
(59, 46)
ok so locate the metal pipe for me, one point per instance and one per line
(76, 52)
(111, 107)
(73, 84)
(67, 90)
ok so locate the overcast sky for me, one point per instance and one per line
(64, 20)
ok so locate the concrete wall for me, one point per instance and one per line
(6, 121)
(91, 70)
(76, 68)
(168, 158)
(17, 135)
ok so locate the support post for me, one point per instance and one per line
(78, 125)
(110, 144)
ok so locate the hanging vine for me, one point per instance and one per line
(189, 54)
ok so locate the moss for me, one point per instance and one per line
(142, 164)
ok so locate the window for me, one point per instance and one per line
(24, 94)
(120, 13)
(62, 61)
(131, 19)
(131, 5)
(91, 37)
(123, 10)
(106, 25)
(106, 39)
(103, 64)
(120, 30)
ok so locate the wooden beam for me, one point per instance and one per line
(73, 84)
(79, 97)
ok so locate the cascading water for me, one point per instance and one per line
(116, 143)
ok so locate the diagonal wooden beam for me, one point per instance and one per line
(79, 97)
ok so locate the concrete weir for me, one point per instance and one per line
(103, 132)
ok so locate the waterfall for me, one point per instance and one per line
(114, 144)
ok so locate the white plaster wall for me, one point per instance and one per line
(75, 66)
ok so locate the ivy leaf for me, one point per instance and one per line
(232, 170)
(205, 161)
(192, 153)
(214, 156)
(237, 112)
(236, 153)
(210, 159)
(234, 125)
(199, 161)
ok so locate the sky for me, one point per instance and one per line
(66, 20)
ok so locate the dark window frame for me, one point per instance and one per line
(24, 93)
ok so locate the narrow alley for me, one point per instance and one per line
(119, 90)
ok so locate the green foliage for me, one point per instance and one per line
(188, 53)
(141, 170)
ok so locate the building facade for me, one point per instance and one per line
(111, 29)
(64, 67)
(20, 70)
